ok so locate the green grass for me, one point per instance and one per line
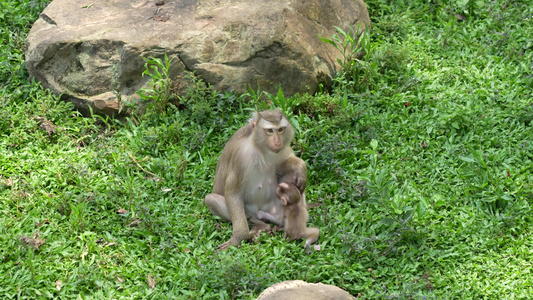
(421, 174)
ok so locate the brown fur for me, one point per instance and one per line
(295, 215)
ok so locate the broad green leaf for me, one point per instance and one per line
(467, 159)
(420, 209)
(388, 221)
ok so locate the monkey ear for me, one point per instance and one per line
(254, 119)
(283, 186)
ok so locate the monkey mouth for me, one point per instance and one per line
(275, 151)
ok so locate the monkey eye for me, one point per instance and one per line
(281, 129)
(270, 131)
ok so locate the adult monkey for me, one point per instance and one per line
(247, 173)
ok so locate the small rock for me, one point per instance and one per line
(301, 290)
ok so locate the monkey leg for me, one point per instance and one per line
(239, 221)
(217, 206)
(311, 235)
(263, 215)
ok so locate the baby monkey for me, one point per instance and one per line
(293, 215)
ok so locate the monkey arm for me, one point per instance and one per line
(297, 167)
(262, 215)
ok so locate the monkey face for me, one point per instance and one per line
(274, 137)
(272, 130)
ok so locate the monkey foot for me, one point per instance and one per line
(224, 246)
(258, 228)
(228, 244)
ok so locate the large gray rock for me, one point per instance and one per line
(89, 52)
(301, 290)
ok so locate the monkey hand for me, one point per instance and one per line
(300, 182)
(261, 215)
(299, 179)
(297, 170)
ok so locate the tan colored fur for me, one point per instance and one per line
(247, 173)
